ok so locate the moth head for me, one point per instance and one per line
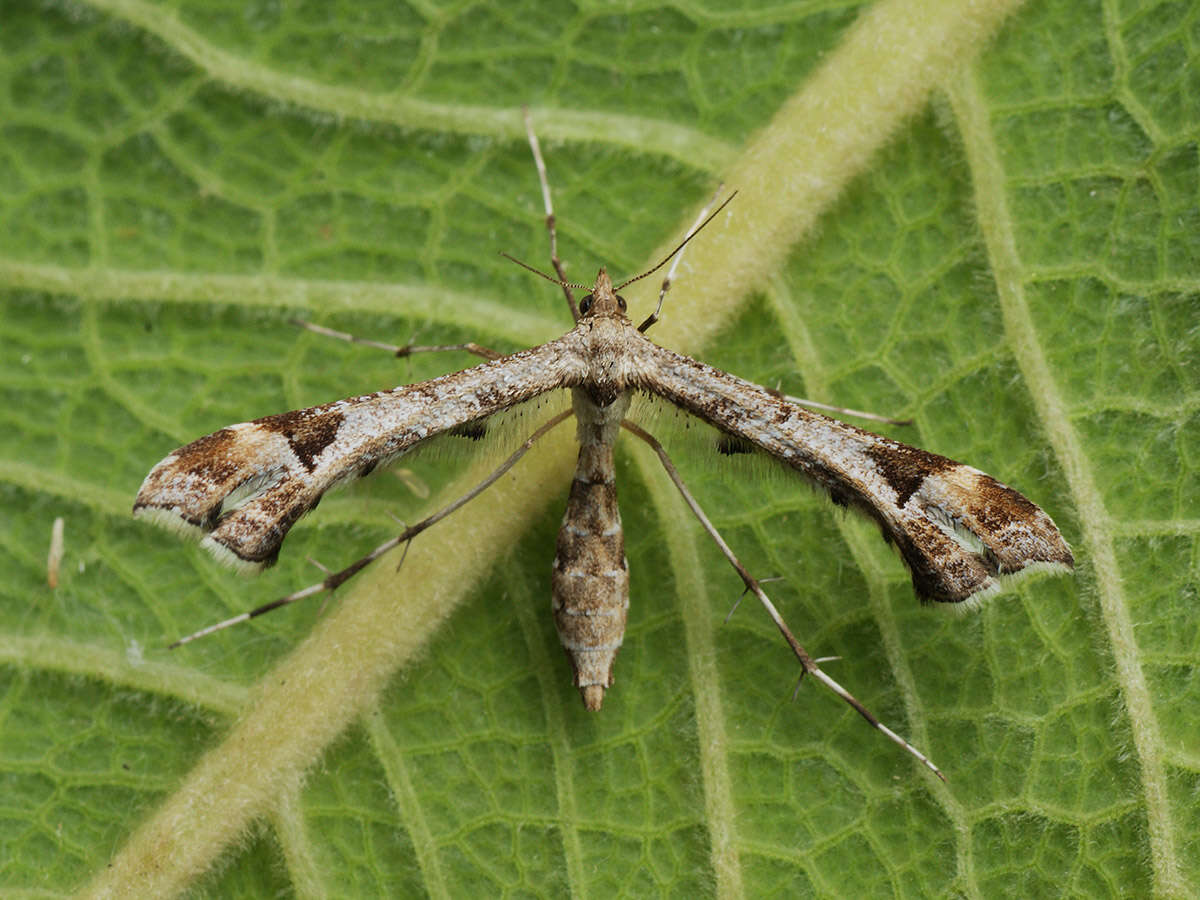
(603, 300)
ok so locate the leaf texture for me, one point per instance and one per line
(980, 215)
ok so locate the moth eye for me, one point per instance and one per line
(585, 305)
(621, 302)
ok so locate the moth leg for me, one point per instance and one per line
(406, 350)
(809, 665)
(336, 579)
(666, 282)
(550, 220)
(839, 410)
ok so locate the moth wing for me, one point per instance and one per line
(956, 528)
(242, 488)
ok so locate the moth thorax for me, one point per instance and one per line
(591, 576)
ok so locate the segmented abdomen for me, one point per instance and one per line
(591, 575)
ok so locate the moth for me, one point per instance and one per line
(240, 489)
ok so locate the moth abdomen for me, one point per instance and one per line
(590, 580)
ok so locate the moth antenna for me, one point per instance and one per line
(550, 278)
(561, 280)
(666, 259)
(395, 350)
(666, 282)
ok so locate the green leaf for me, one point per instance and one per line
(981, 218)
